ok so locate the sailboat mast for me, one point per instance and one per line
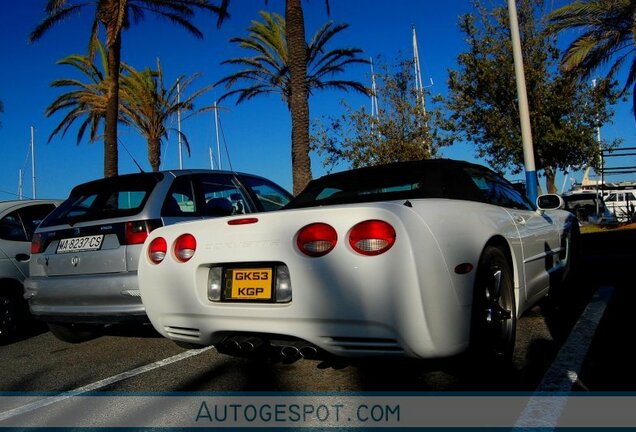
(179, 125)
(374, 93)
(218, 142)
(20, 179)
(33, 159)
(419, 87)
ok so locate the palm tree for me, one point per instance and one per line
(145, 104)
(299, 99)
(85, 100)
(607, 35)
(115, 16)
(148, 106)
(270, 71)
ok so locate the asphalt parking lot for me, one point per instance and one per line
(134, 360)
(610, 261)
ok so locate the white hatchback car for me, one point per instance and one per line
(18, 220)
(83, 274)
(418, 259)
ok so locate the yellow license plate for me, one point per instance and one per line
(249, 284)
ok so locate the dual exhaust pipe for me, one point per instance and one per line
(291, 352)
(287, 350)
(244, 344)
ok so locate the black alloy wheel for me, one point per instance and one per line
(494, 318)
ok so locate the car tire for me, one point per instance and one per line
(72, 333)
(494, 317)
(9, 317)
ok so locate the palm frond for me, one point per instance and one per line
(268, 70)
(149, 107)
(607, 34)
(58, 12)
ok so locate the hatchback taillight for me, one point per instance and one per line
(37, 244)
(372, 237)
(184, 247)
(136, 232)
(157, 250)
(316, 239)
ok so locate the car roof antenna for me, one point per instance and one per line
(141, 170)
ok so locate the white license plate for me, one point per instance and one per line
(80, 244)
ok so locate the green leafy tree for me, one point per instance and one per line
(482, 99)
(114, 16)
(606, 33)
(150, 108)
(400, 131)
(269, 71)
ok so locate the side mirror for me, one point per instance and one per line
(550, 202)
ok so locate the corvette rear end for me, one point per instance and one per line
(368, 280)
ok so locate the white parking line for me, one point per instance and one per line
(542, 411)
(100, 384)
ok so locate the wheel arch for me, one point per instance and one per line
(11, 286)
(502, 243)
(493, 319)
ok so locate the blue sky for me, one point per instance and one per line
(257, 132)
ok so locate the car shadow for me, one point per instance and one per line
(145, 330)
(28, 329)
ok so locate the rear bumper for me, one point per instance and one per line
(104, 298)
(358, 311)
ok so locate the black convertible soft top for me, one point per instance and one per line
(431, 178)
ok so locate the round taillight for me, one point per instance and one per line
(157, 250)
(316, 239)
(372, 237)
(184, 247)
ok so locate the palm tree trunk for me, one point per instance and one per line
(298, 101)
(154, 153)
(111, 155)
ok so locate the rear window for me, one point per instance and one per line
(105, 199)
(399, 181)
(433, 178)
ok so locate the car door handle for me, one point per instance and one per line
(519, 220)
(22, 257)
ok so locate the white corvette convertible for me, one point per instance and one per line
(419, 259)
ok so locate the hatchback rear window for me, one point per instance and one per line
(104, 199)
